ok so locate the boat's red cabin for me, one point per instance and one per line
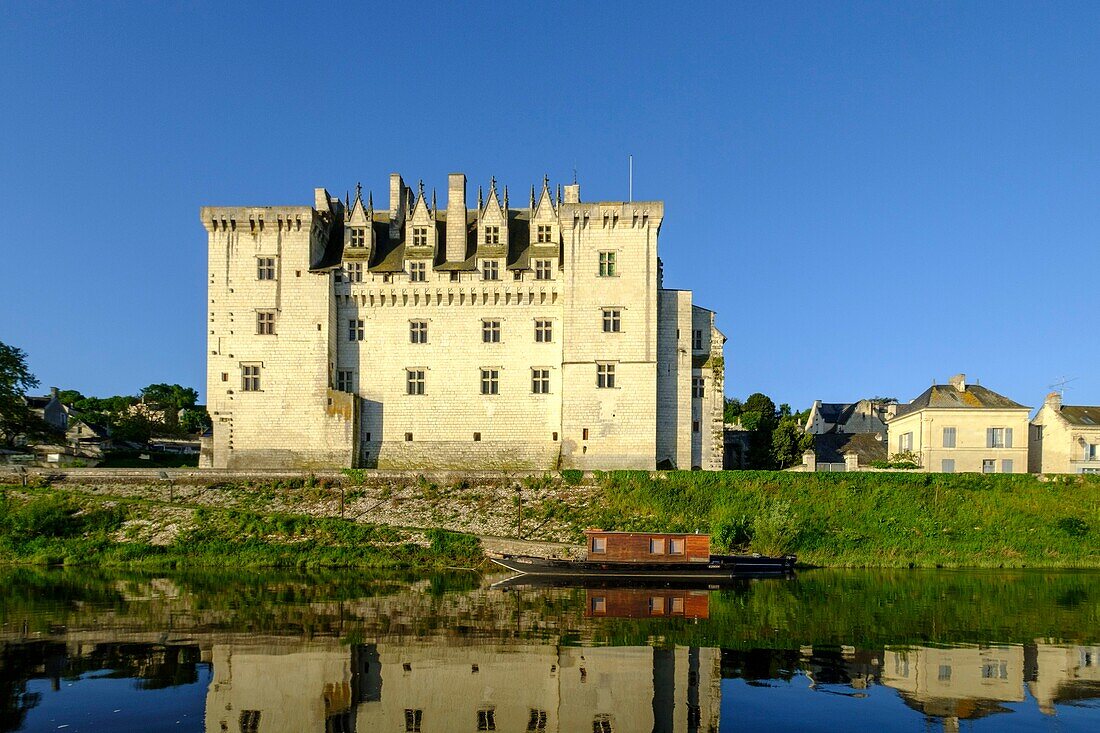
(647, 547)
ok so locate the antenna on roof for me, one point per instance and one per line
(1059, 385)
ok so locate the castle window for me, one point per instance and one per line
(540, 381)
(697, 384)
(517, 274)
(490, 381)
(456, 276)
(544, 332)
(265, 323)
(250, 377)
(265, 268)
(536, 720)
(408, 439)
(345, 380)
(414, 381)
(544, 232)
(358, 237)
(477, 439)
(612, 320)
(607, 264)
(602, 724)
(486, 719)
(420, 236)
(697, 340)
(490, 332)
(412, 720)
(605, 376)
(490, 270)
(338, 275)
(542, 270)
(418, 272)
(492, 235)
(356, 330)
(249, 721)
(695, 426)
(418, 332)
(584, 434)
(355, 272)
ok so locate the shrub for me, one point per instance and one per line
(1073, 526)
(775, 529)
(572, 476)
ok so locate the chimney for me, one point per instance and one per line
(1054, 401)
(321, 199)
(54, 391)
(958, 382)
(572, 193)
(397, 205)
(456, 217)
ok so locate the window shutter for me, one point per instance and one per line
(1008, 437)
(989, 437)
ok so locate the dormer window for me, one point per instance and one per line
(355, 272)
(543, 234)
(492, 236)
(358, 237)
(420, 236)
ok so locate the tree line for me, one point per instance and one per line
(776, 438)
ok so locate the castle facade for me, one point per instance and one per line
(428, 337)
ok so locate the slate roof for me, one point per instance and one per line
(831, 447)
(946, 396)
(831, 411)
(1082, 415)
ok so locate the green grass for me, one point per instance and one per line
(867, 519)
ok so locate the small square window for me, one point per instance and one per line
(599, 545)
(456, 276)
(656, 546)
(517, 274)
(697, 387)
(414, 381)
(544, 332)
(677, 605)
(540, 381)
(490, 270)
(250, 378)
(490, 332)
(344, 380)
(544, 234)
(656, 606)
(356, 329)
(265, 323)
(477, 437)
(358, 237)
(543, 270)
(418, 332)
(612, 320)
(355, 272)
(265, 268)
(605, 376)
(676, 547)
(492, 235)
(418, 272)
(599, 604)
(420, 236)
(408, 439)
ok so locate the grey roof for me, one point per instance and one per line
(946, 396)
(831, 447)
(831, 411)
(1081, 415)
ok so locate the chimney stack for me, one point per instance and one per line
(54, 391)
(1054, 401)
(456, 217)
(958, 382)
(572, 193)
(397, 205)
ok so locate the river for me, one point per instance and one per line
(332, 652)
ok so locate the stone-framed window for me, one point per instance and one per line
(492, 235)
(490, 270)
(345, 380)
(608, 265)
(612, 320)
(905, 442)
(490, 332)
(355, 272)
(418, 272)
(357, 330)
(414, 381)
(998, 438)
(265, 323)
(605, 375)
(486, 719)
(697, 340)
(420, 236)
(250, 377)
(358, 237)
(540, 381)
(490, 381)
(418, 332)
(543, 233)
(544, 270)
(265, 268)
(456, 276)
(698, 387)
(544, 332)
(536, 720)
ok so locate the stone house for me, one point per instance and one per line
(424, 336)
(50, 409)
(1064, 438)
(959, 427)
(848, 435)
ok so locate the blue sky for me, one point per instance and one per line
(871, 195)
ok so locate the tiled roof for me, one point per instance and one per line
(1081, 415)
(830, 448)
(946, 396)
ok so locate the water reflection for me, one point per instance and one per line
(413, 657)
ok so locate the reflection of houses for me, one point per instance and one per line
(435, 688)
(956, 683)
(647, 603)
(1064, 438)
(1065, 673)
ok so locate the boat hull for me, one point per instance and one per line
(720, 567)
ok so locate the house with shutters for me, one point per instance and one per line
(960, 427)
(1064, 438)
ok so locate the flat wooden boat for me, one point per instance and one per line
(652, 557)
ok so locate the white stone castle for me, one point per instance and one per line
(491, 338)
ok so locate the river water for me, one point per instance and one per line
(332, 652)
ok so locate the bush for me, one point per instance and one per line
(572, 476)
(775, 529)
(1073, 526)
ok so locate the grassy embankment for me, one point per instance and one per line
(839, 520)
(45, 526)
(870, 519)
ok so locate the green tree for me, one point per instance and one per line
(172, 398)
(789, 441)
(195, 420)
(15, 379)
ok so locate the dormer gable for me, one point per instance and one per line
(358, 226)
(544, 219)
(420, 228)
(492, 221)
